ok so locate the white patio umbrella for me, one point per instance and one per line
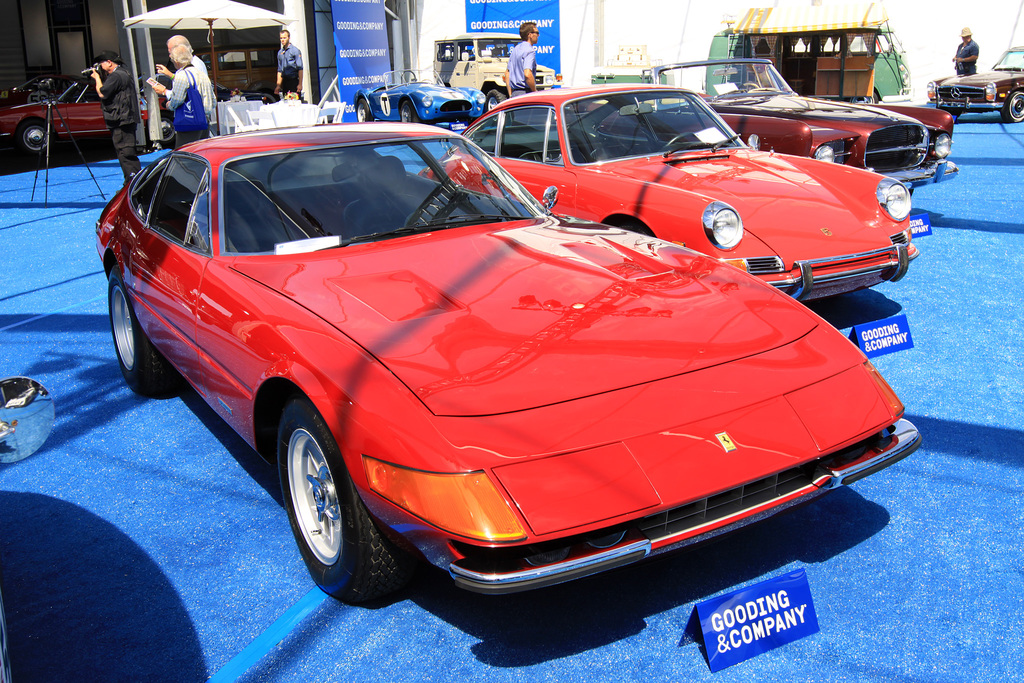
(208, 14)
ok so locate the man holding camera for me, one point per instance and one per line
(119, 100)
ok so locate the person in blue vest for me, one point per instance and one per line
(966, 59)
(521, 73)
(289, 67)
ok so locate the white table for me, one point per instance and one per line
(226, 121)
(289, 114)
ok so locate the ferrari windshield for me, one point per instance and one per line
(629, 124)
(726, 79)
(1012, 60)
(364, 192)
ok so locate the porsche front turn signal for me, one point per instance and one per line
(465, 504)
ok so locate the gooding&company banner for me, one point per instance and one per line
(505, 16)
(361, 47)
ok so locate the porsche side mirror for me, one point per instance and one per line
(550, 197)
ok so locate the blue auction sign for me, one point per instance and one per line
(920, 225)
(505, 16)
(756, 619)
(883, 336)
(361, 47)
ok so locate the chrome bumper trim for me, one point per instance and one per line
(548, 575)
(805, 283)
(905, 439)
(926, 175)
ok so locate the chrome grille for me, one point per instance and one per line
(961, 92)
(900, 238)
(764, 264)
(725, 504)
(896, 147)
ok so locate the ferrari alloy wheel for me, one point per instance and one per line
(1013, 108)
(494, 98)
(363, 112)
(408, 112)
(345, 553)
(144, 369)
(30, 136)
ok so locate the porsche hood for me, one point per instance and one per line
(479, 321)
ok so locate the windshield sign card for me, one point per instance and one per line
(756, 619)
(883, 336)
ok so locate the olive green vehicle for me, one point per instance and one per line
(479, 60)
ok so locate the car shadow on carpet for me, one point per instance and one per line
(81, 596)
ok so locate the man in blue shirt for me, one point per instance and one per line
(966, 59)
(289, 67)
(521, 74)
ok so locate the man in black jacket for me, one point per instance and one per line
(119, 99)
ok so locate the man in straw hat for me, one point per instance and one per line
(966, 59)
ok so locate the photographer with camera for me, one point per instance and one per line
(119, 100)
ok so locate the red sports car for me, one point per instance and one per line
(658, 160)
(443, 371)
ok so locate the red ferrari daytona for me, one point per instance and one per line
(442, 370)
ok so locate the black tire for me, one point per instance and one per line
(146, 371)
(345, 553)
(363, 111)
(407, 112)
(166, 132)
(494, 98)
(30, 136)
(1013, 108)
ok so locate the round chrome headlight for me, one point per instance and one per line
(894, 197)
(428, 100)
(754, 142)
(723, 225)
(933, 88)
(943, 145)
(990, 92)
(825, 153)
(480, 97)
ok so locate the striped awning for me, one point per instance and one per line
(810, 18)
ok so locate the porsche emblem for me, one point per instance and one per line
(826, 232)
(726, 441)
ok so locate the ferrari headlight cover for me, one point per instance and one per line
(894, 197)
(723, 225)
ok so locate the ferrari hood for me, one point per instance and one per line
(493, 319)
(830, 212)
(831, 113)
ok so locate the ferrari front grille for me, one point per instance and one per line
(896, 147)
(726, 504)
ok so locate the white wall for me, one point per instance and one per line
(681, 30)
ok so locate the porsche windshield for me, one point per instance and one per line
(727, 80)
(365, 192)
(641, 123)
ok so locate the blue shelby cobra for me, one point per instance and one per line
(409, 95)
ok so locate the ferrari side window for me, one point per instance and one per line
(176, 195)
(145, 187)
(486, 134)
(197, 235)
(530, 133)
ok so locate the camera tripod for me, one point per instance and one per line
(44, 151)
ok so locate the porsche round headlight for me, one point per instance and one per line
(754, 141)
(428, 100)
(943, 145)
(825, 153)
(723, 225)
(480, 98)
(894, 197)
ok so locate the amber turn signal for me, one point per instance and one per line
(465, 504)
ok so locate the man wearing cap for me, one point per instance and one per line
(119, 100)
(966, 59)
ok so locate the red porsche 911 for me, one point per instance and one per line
(660, 161)
(443, 371)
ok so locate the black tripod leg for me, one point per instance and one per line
(77, 149)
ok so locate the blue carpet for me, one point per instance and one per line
(146, 541)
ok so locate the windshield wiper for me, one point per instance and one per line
(472, 218)
(690, 145)
(732, 138)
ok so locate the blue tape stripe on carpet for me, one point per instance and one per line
(269, 639)
(44, 315)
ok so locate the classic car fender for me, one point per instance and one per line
(929, 117)
(785, 136)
